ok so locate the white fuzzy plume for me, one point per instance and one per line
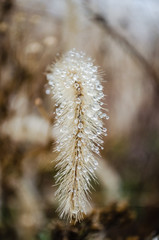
(76, 88)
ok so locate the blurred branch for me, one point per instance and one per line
(5, 7)
(110, 180)
(42, 110)
(123, 42)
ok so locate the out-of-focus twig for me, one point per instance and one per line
(131, 50)
(41, 109)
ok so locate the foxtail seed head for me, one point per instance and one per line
(75, 85)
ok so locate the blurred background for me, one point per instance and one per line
(123, 39)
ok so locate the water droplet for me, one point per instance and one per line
(64, 129)
(94, 69)
(67, 168)
(80, 125)
(68, 159)
(67, 85)
(99, 87)
(62, 105)
(95, 118)
(86, 159)
(96, 107)
(91, 170)
(75, 77)
(93, 78)
(96, 149)
(60, 95)
(100, 95)
(91, 86)
(75, 131)
(95, 98)
(90, 136)
(79, 143)
(50, 77)
(76, 121)
(79, 135)
(89, 114)
(103, 115)
(76, 85)
(70, 115)
(58, 111)
(99, 131)
(78, 100)
(87, 130)
(74, 211)
(58, 148)
(90, 93)
(47, 91)
(100, 141)
(95, 163)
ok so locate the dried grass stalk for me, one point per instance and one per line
(75, 85)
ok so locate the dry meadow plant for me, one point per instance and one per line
(75, 86)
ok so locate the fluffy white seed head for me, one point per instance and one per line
(75, 85)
